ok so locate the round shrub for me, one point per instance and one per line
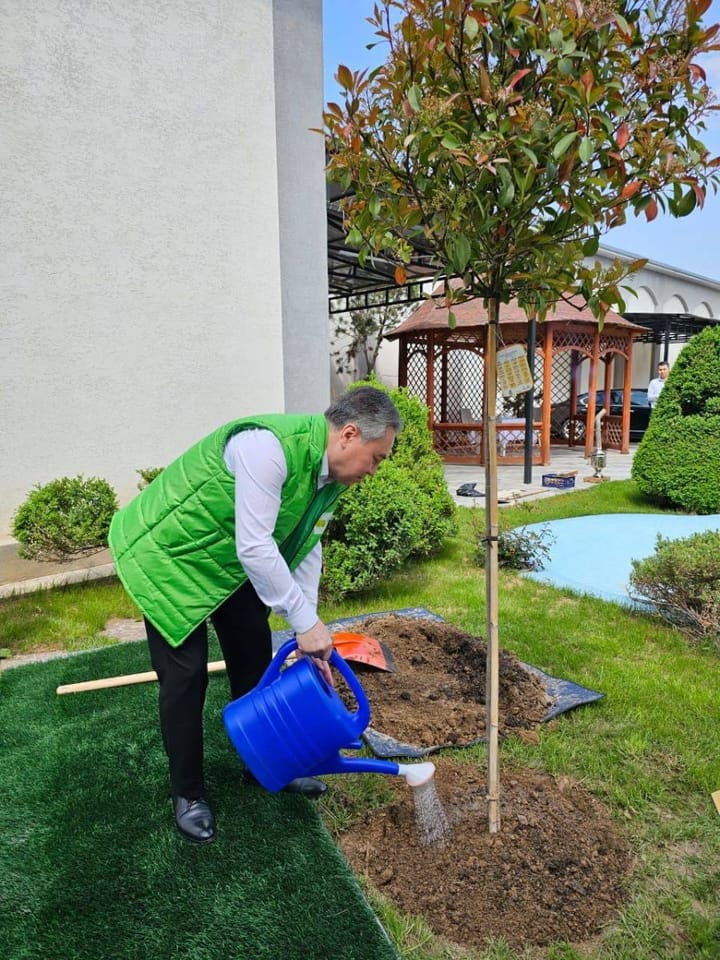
(373, 532)
(678, 460)
(682, 580)
(405, 510)
(65, 518)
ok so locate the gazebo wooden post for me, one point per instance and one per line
(430, 379)
(592, 390)
(403, 363)
(492, 669)
(627, 398)
(444, 382)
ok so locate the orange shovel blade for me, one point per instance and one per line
(361, 648)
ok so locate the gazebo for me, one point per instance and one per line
(445, 367)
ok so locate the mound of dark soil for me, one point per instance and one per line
(436, 696)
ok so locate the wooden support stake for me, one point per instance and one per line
(716, 800)
(215, 666)
(492, 669)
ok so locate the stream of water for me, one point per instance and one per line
(430, 816)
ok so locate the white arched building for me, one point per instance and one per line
(674, 305)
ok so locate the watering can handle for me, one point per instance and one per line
(361, 716)
(273, 671)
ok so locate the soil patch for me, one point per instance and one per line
(556, 869)
(437, 694)
(124, 630)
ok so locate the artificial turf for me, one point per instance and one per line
(91, 865)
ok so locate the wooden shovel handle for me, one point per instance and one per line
(216, 666)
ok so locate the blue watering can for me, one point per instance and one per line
(293, 724)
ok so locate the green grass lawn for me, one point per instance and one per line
(649, 750)
(91, 867)
(69, 618)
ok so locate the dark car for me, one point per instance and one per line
(563, 425)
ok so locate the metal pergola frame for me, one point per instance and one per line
(357, 286)
(667, 328)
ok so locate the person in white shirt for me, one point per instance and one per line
(230, 532)
(657, 383)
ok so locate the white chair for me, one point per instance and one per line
(467, 416)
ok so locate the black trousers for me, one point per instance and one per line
(241, 624)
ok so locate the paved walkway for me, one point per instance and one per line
(19, 576)
(511, 485)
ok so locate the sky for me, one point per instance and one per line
(691, 244)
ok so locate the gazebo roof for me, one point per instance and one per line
(432, 315)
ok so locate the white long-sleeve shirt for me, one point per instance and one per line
(654, 389)
(256, 460)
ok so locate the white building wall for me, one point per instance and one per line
(388, 362)
(144, 272)
(303, 217)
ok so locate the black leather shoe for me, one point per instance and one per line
(306, 786)
(194, 819)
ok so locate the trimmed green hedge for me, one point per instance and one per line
(405, 510)
(65, 518)
(678, 460)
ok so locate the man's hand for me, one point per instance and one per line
(317, 642)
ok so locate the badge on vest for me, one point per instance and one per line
(322, 522)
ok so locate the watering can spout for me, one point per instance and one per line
(341, 764)
(416, 774)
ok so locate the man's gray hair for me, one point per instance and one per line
(371, 410)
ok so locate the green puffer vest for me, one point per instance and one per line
(174, 544)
